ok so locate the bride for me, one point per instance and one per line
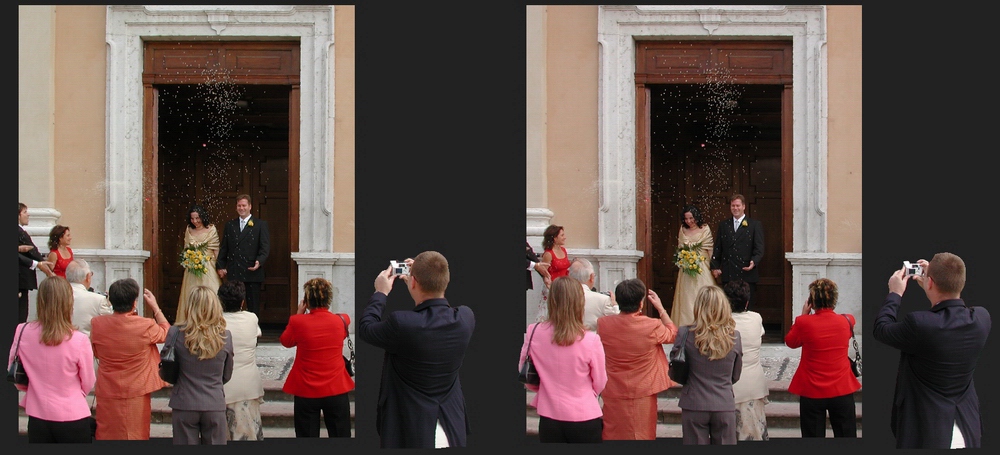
(200, 231)
(693, 230)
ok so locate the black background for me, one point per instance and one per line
(440, 165)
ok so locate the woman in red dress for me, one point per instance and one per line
(556, 256)
(60, 253)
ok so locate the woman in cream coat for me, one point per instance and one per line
(244, 391)
(751, 390)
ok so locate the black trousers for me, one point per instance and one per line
(588, 431)
(336, 414)
(22, 305)
(253, 297)
(812, 416)
(75, 431)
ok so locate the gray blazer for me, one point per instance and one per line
(710, 382)
(199, 386)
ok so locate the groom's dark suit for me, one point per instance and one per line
(734, 249)
(938, 353)
(27, 278)
(239, 250)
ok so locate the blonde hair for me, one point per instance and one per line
(566, 302)
(54, 305)
(714, 327)
(200, 317)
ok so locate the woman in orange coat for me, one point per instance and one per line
(318, 380)
(125, 345)
(823, 381)
(635, 362)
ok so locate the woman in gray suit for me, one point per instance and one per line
(204, 351)
(715, 360)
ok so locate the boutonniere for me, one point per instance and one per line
(744, 223)
(250, 223)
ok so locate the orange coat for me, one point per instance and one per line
(634, 356)
(125, 345)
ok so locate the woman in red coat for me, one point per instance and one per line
(318, 380)
(824, 381)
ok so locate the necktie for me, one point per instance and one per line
(243, 224)
(736, 225)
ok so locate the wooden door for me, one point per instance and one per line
(713, 119)
(213, 176)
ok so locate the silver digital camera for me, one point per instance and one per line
(913, 269)
(400, 267)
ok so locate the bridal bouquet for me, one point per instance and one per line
(689, 258)
(194, 259)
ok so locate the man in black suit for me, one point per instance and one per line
(244, 248)
(533, 263)
(29, 259)
(935, 404)
(421, 403)
(739, 247)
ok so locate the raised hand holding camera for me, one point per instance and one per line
(400, 267)
(913, 268)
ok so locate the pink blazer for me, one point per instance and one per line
(571, 376)
(60, 376)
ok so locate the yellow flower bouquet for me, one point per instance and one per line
(689, 258)
(194, 258)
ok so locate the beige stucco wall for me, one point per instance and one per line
(572, 65)
(844, 129)
(62, 161)
(79, 142)
(36, 48)
(343, 160)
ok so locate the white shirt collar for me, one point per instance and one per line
(244, 220)
(737, 220)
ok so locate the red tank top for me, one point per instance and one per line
(61, 262)
(558, 267)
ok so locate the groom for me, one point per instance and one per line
(243, 250)
(739, 247)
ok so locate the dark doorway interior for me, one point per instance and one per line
(217, 140)
(708, 141)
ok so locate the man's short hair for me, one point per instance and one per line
(430, 269)
(738, 196)
(21, 207)
(948, 272)
(242, 197)
(581, 269)
(123, 294)
(77, 271)
(232, 293)
(629, 295)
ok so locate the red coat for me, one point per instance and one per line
(318, 370)
(824, 371)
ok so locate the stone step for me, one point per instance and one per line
(274, 414)
(277, 411)
(781, 413)
(673, 430)
(164, 430)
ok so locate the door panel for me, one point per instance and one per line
(213, 177)
(690, 164)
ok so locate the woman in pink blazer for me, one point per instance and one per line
(570, 362)
(635, 361)
(60, 366)
(823, 381)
